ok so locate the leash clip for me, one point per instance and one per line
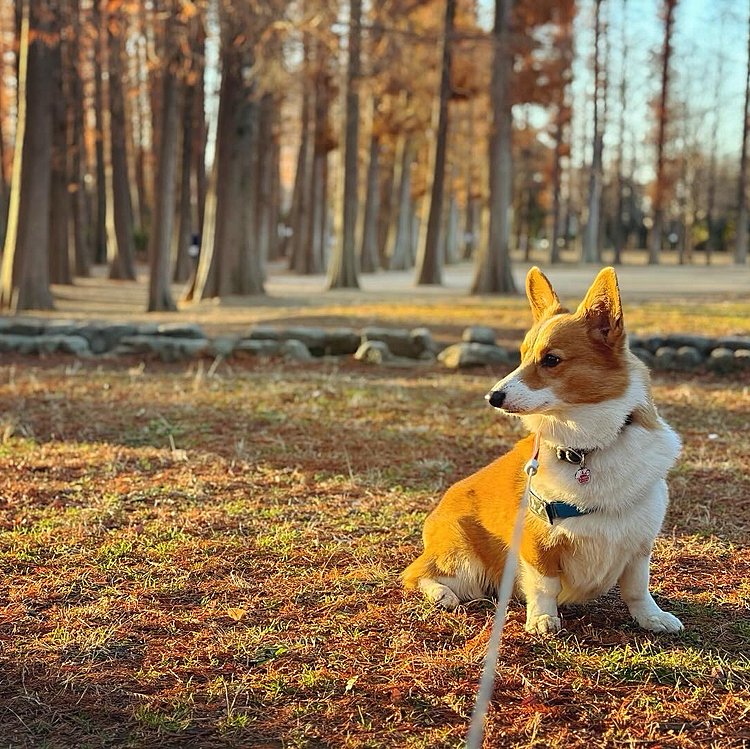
(531, 468)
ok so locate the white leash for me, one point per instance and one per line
(487, 684)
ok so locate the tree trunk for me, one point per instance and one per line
(659, 199)
(24, 279)
(160, 239)
(470, 227)
(78, 203)
(183, 264)
(199, 127)
(399, 256)
(493, 271)
(228, 263)
(386, 208)
(120, 243)
(619, 227)
(591, 250)
(740, 248)
(264, 179)
(342, 272)
(102, 134)
(369, 257)
(59, 262)
(301, 205)
(428, 269)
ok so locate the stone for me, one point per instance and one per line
(468, 354)
(699, 342)
(250, 347)
(653, 343)
(60, 327)
(479, 334)
(424, 343)
(664, 358)
(373, 352)
(24, 326)
(167, 348)
(17, 344)
(313, 338)
(742, 358)
(341, 341)
(733, 342)
(688, 357)
(398, 340)
(147, 328)
(296, 350)
(181, 330)
(722, 360)
(377, 352)
(221, 346)
(635, 341)
(103, 337)
(262, 333)
(644, 355)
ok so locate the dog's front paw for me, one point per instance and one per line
(543, 624)
(661, 621)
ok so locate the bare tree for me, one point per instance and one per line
(740, 248)
(493, 271)
(24, 278)
(429, 261)
(342, 272)
(660, 187)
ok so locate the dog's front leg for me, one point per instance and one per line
(541, 594)
(634, 591)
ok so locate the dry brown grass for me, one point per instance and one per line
(212, 561)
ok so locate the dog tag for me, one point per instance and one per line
(583, 475)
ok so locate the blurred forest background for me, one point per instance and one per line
(215, 140)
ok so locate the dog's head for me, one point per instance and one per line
(567, 358)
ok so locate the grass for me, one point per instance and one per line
(212, 561)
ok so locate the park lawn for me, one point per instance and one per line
(208, 556)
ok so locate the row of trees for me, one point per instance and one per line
(338, 137)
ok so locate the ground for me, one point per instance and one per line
(202, 556)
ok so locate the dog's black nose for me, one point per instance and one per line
(496, 398)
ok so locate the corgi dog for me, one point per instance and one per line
(599, 498)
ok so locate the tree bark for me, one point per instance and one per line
(24, 278)
(229, 264)
(160, 239)
(78, 204)
(429, 269)
(659, 198)
(398, 243)
(493, 270)
(183, 239)
(619, 227)
(120, 242)
(369, 257)
(59, 262)
(102, 134)
(591, 249)
(342, 272)
(740, 247)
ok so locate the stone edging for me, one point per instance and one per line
(376, 345)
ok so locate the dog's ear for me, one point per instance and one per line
(541, 295)
(602, 308)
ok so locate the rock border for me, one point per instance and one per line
(395, 347)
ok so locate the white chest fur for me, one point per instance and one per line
(627, 496)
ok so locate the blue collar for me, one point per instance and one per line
(551, 511)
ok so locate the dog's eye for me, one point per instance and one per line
(550, 360)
